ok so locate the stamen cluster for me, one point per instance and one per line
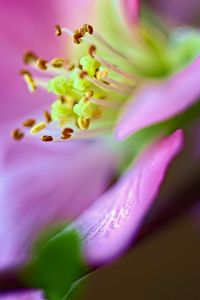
(89, 91)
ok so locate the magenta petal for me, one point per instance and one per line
(112, 222)
(132, 10)
(39, 186)
(161, 101)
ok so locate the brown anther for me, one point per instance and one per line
(89, 28)
(29, 80)
(92, 50)
(29, 57)
(58, 29)
(67, 133)
(47, 116)
(83, 123)
(17, 134)
(77, 37)
(62, 99)
(47, 138)
(42, 64)
(82, 74)
(29, 123)
(57, 62)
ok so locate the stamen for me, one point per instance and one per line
(38, 127)
(47, 138)
(29, 57)
(47, 116)
(17, 134)
(58, 31)
(107, 86)
(83, 123)
(104, 103)
(113, 67)
(57, 62)
(29, 123)
(29, 80)
(42, 64)
(67, 133)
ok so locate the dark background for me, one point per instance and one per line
(163, 266)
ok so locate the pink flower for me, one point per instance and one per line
(45, 183)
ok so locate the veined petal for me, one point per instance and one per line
(39, 186)
(112, 222)
(161, 101)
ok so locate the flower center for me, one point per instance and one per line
(89, 91)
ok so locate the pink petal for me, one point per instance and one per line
(161, 101)
(39, 186)
(113, 221)
(132, 10)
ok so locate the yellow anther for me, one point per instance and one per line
(83, 123)
(38, 127)
(101, 74)
(57, 62)
(29, 80)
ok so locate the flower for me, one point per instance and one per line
(96, 94)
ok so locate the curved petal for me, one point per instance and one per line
(39, 186)
(112, 222)
(161, 101)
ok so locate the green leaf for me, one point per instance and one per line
(56, 264)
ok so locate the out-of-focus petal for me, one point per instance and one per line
(161, 101)
(178, 12)
(132, 10)
(112, 222)
(39, 186)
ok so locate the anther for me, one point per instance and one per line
(83, 74)
(88, 28)
(57, 62)
(77, 36)
(58, 30)
(89, 94)
(67, 133)
(47, 116)
(92, 50)
(17, 134)
(47, 138)
(29, 80)
(42, 64)
(29, 57)
(83, 123)
(38, 127)
(29, 123)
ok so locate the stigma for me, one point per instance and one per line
(89, 91)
